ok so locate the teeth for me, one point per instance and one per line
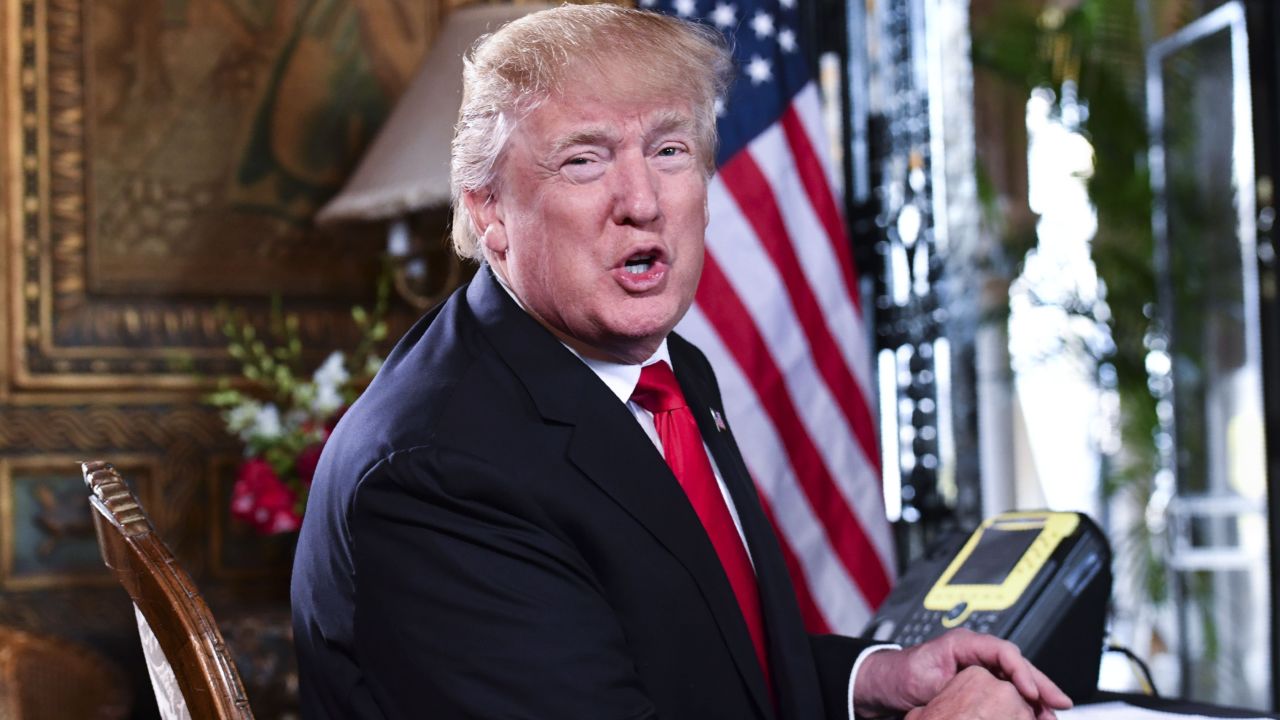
(638, 265)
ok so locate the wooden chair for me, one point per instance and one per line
(191, 670)
(48, 678)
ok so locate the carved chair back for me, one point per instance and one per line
(191, 670)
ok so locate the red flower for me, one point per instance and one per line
(307, 460)
(262, 500)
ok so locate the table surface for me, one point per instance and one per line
(1176, 705)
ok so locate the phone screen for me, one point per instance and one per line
(996, 555)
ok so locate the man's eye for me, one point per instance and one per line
(670, 151)
(582, 168)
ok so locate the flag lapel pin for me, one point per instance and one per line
(715, 415)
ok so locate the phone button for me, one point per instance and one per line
(956, 615)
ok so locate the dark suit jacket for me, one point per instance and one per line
(492, 535)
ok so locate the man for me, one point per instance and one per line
(528, 515)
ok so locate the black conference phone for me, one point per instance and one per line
(1039, 579)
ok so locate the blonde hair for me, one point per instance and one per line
(506, 75)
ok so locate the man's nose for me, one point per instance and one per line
(636, 196)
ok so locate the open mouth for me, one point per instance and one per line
(640, 263)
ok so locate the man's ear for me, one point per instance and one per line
(486, 220)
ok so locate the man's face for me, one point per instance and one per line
(598, 218)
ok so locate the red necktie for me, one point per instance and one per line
(659, 393)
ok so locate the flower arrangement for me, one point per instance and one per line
(283, 416)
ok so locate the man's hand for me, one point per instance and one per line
(896, 681)
(976, 694)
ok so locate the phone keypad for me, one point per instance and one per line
(926, 624)
(920, 626)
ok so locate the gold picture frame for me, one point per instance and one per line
(46, 531)
(159, 158)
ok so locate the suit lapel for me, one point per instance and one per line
(790, 658)
(649, 491)
(609, 447)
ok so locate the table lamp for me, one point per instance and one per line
(403, 178)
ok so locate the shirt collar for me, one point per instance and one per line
(621, 379)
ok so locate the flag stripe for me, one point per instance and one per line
(759, 287)
(808, 105)
(809, 170)
(732, 322)
(779, 316)
(859, 481)
(749, 188)
(814, 622)
(821, 264)
(837, 597)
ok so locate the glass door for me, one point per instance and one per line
(1202, 174)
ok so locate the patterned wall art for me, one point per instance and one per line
(46, 533)
(168, 156)
(160, 160)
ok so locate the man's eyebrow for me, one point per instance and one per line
(585, 136)
(660, 124)
(670, 120)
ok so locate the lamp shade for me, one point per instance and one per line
(406, 168)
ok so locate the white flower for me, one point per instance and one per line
(329, 379)
(240, 419)
(333, 371)
(326, 401)
(266, 424)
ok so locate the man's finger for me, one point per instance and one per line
(1005, 659)
(1001, 657)
(1031, 683)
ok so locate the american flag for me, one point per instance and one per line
(777, 313)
